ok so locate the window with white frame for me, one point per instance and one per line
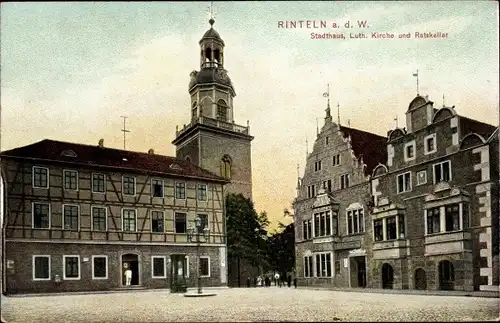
(157, 221)
(404, 182)
(336, 160)
(308, 266)
(41, 216)
(204, 266)
(129, 220)
(422, 177)
(99, 267)
(128, 185)
(99, 218)
(71, 267)
(378, 230)
(98, 183)
(433, 220)
(430, 144)
(306, 229)
(355, 221)
(389, 228)
(41, 267)
(203, 222)
(323, 264)
(410, 151)
(40, 177)
(202, 192)
(322, 224)
(159, 267)
(180, 222)
(70, 179)
(156, 187)
(452, 217)
(180, 190)
(442, 172)
(344, 181)
(71, 215)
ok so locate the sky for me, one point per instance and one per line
(70, 70)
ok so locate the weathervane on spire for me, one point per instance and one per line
(327, 95)
(212, 14)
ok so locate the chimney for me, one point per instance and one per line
(151, 151)
(101, 143)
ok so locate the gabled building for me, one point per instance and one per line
(333, 236)
(436, 203)
(78, 216)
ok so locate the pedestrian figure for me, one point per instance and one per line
(289, 281)
(276, 279)
(128, 276)
(248, 281)
(295, 282)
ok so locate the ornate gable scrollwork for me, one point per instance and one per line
(324, 199)
(384, 205)
(443, 193)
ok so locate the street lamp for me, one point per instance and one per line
(194, 235)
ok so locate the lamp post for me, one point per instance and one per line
(194, 235)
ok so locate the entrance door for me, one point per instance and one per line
(420, 279)
(130, 261)
(387, 276)
(446, 275)
(361, 271)
(178, 273)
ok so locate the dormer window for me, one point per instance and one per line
(409, 151)
(430, 144)
(175, 167)
(68, 153)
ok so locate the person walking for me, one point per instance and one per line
(276, 279)
(289, 280)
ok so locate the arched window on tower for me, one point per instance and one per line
(194, 110)
(217, 56)
(221, 110)
(208, 53)
(225, 167)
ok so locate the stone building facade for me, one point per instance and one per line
(429, 195)
(79, 216)
(212, 140)
(331, 211)
(435, 215)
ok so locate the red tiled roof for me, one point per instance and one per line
(372, 147)
(468, 126)
(95, 156)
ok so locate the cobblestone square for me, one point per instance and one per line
(248, 304)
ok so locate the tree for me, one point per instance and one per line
(281, 247)
(246, 231)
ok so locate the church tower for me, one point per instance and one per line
(212, 139)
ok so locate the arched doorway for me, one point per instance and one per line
(420, 279)
(446, 275)
(130, 261)
(387, 276)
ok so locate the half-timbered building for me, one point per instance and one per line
(436, 209)
(331, 211)
(78, 216)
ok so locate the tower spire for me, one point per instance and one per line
(416, 75)
(338, 113)
(327, 95)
